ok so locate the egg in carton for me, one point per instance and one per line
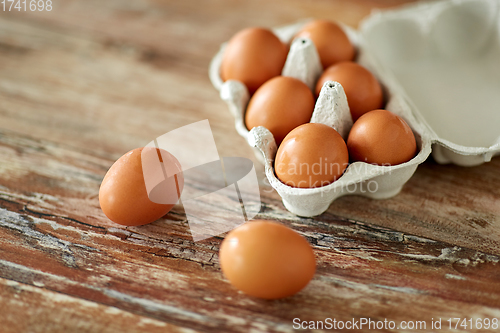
(405, 49)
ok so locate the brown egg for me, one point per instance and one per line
(330, 40)
(362, 89)
(312, 155)
(380, 137)
(267, 260)
(280, 105)
(123, 196)
(253, 56)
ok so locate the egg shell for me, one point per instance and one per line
(362, 89)
(280, 105)
(381, 137)
(331, 41)
(412, 20)
(267, 260)
(253, 56)
(123, 197)
(312, 155)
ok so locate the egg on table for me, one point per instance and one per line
(123, 196)
(267, 260)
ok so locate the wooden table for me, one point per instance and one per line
(90, 80)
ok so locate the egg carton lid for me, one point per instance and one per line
(443, 59)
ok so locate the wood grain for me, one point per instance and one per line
(82, 85)
(48, 311)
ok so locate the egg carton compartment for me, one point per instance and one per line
(386, 46)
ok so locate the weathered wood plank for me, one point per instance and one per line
(363, 271)
(47, 311)
(444, 202)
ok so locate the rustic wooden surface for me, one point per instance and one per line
(90, 80)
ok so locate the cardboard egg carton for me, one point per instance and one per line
(439, 66)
